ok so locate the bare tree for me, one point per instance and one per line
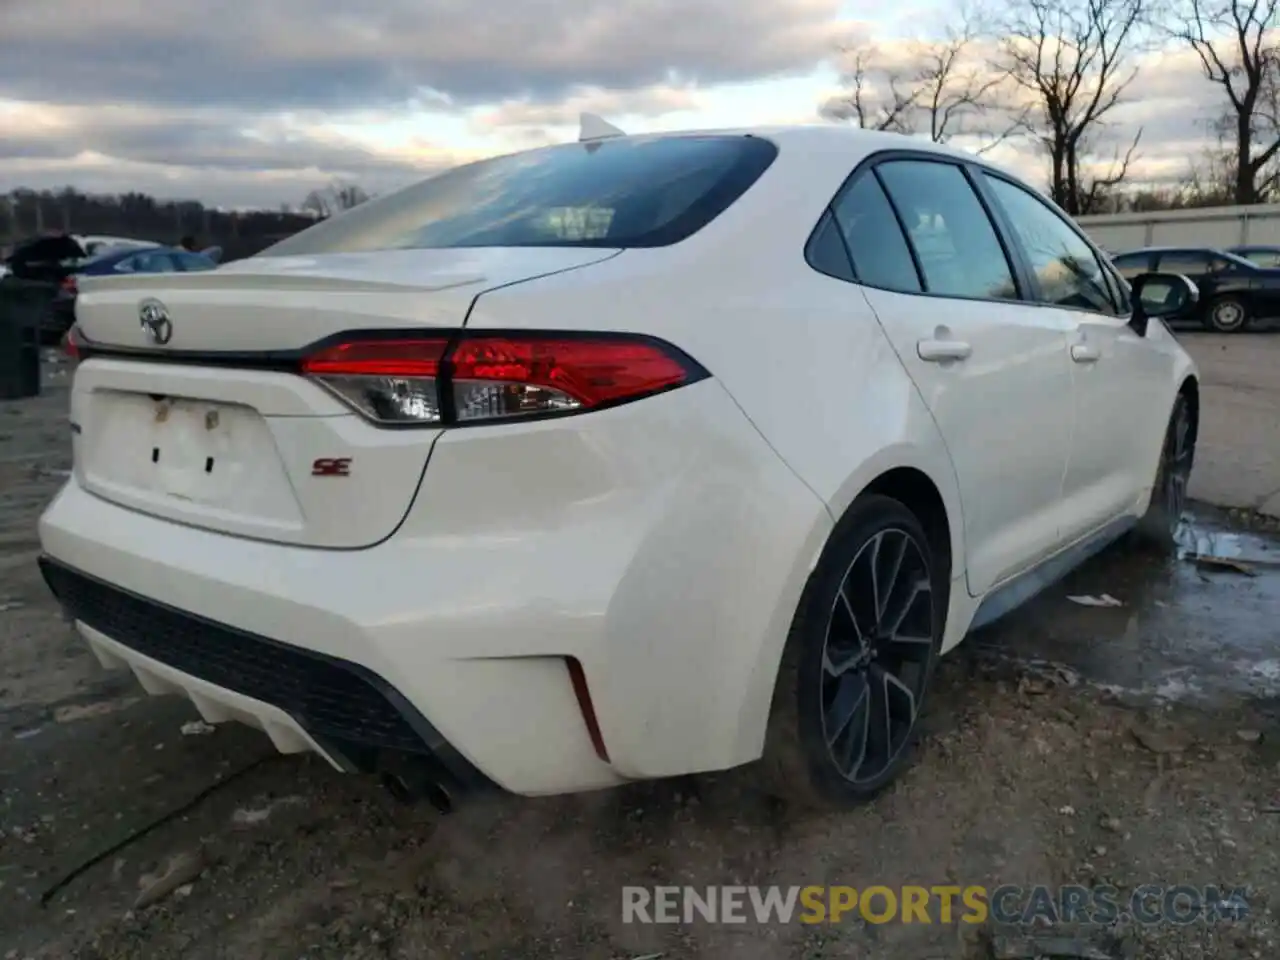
(316, 203)
(1096, 193)
(959, 95)
(875, 97)
(1070, 60)
(1236, 42)
(1212, 180)
(942, 89)
(348, 195)
(335, 198)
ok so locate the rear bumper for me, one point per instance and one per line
(660, 546)
(301, 699)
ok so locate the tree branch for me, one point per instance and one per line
(942, 89)
(1070, 58)
(1236, 43)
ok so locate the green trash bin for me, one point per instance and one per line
(22, 307)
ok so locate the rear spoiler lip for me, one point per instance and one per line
(220, 279)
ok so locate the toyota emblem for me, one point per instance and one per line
(153, 317)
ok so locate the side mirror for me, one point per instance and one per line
(1160, 295)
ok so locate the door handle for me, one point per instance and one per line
(940, 351)
(1085, 353)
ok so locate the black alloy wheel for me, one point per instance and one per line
(858, 661)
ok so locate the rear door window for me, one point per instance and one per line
(627, 192)
(826, 251)
(881, 257)
(1191, 263)
(955, 243)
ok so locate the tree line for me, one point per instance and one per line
(1053, 73)
(27, 213)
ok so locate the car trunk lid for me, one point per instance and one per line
(215, 428)
(283, 303)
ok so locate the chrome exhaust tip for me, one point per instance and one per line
(410, 788)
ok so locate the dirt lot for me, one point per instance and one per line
(1122, 745)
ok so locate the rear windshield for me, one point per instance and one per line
(629, 192)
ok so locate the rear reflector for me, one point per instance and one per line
(578, 678)
(477, 378)
(71, 343)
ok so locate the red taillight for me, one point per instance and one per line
(507, 377)
(485, 377)
(379, 358)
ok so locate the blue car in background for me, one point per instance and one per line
(62, 311)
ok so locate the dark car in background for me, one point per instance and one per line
(1234, 291)
(62, 311)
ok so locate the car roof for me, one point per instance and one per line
(1184, 249)
(1232, 254)
(798, 138)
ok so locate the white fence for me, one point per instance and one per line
(1205, 227)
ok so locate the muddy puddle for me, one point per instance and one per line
(1203, 625)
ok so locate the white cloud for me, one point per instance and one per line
(262, 104)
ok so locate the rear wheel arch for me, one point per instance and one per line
(918, 473)
(1157, 527)
(914, 489)
(1189, 390)
(918, 492)
(926, 486)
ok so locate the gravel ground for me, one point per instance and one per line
(1066, 746)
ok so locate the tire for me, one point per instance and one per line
(1158, 527)
(1226, 315)
(800, 762)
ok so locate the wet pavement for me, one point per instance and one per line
(1190, 627)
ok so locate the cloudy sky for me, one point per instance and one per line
(254, 102)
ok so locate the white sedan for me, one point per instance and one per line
(615, 460)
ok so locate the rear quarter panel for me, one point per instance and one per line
(802, 354)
